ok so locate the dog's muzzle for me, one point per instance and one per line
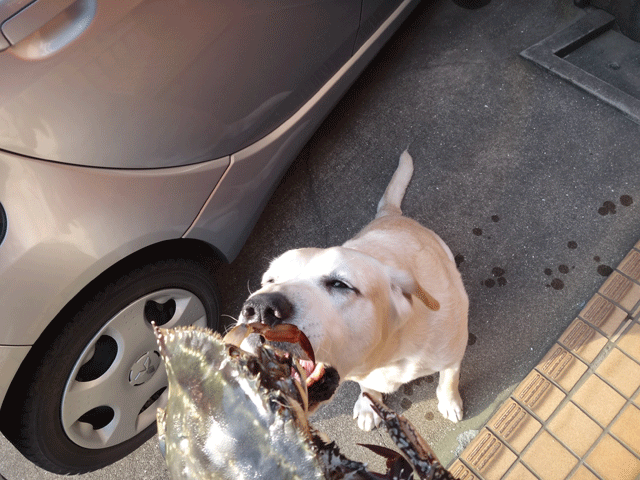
(273, 309)
(268, 308)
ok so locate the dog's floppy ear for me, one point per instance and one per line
(427, 299)
(409, 286)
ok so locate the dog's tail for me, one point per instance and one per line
(390, 202)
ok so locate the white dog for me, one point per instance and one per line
(383, 309)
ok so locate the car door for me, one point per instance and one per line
(159, 83)
(374, 13)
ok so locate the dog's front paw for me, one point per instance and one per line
(363, 412)
(451, 407)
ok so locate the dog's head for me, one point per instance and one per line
(346, 302)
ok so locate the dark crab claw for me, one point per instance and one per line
(283, 332)
(398, 468)
(412, 446)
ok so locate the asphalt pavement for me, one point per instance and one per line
(533, 183)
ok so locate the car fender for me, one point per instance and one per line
(67, 224)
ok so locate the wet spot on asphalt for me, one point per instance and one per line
(500, 280)
(572, 244)
(605, 270)
(557, 284)
(407, 389)
(405, 404)
(472, 339)
(459, 258)
(429, 416)
(608, 207)
(497, 277)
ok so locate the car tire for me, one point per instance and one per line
(87, 396)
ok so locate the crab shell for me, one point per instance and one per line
(230, 414)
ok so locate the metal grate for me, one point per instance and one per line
(593, 56)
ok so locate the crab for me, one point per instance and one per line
(234, 415)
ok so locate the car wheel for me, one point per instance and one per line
(89, 396)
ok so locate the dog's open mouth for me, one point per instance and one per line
(314, 371)
(321, 380)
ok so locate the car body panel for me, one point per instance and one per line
(254, 173)
(136, 72)
(374, 13)
(67, 224)
(10, 360)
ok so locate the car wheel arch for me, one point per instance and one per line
(177, 249)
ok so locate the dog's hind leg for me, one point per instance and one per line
(390, 202)
(449, 400)
(363, 411)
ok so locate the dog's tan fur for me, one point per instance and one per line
(399, 311)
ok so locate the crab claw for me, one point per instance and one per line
(284, 332)
(288, 333)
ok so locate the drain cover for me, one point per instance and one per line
(594, 57)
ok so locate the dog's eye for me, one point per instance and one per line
(337, 284)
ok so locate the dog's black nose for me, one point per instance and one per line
(268, 308)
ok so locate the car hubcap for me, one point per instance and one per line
(144, 368)
(118, 382)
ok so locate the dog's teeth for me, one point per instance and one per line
(316, 374)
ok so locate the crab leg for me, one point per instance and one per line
(414, 448)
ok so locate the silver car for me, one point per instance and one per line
(139, 143)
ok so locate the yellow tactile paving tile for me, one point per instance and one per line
(514, 425)
(539, 395)
(583, 340)
(603, 314)
(562, 367)
(576, 415)
(621, 290)
(488, 456)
